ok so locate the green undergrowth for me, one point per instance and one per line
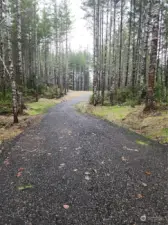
(5, 103)
(111, 113)
(41, 107)
(153, 125)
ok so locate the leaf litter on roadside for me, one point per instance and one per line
(19, 174)
(20, 170)
(143, 218)
(130, 149)
(144, 184)
(87, 177)
(148, 173)
(61, 165)
(25, 187)
(87, 173)
(139, 196)
(124, 159)
(6, 162)
(66, 206)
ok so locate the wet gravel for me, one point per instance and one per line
(76, 169)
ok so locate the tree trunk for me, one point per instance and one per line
(129, 45)
(134, 50)
(146, 40)
(2, 55)
(105, 56)
(96, 43)
(150, 103)
(120, 57)
(19, 71)
(11, 75)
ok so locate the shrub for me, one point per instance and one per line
(51, 92)
(123, 94)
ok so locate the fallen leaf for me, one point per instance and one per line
(130, 149)
(20, 169)
(148, 173)
(61, 165)
(87, 178)
(66, 206)
(94, 170)
(6, 162)
(144, 184)
(143, 218)
(87, 173)
(19, 174)
(22, 188)
(139, 196)
(123, 159)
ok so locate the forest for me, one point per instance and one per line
(35, 54)
(83, 112)
(130, 57)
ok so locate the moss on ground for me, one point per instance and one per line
(40, 107)
(111, 113)
(153, 125)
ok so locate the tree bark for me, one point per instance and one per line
(150, 103)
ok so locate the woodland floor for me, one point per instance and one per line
(75, 169)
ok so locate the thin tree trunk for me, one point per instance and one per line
(120, 56)
(105, 57)
(150, 104)
(11, 72)
(134, 51)
(145, 56)
(2, 55)
(96, 72)
(129, 45)
(19, 71)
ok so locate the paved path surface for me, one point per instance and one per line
(94, 167)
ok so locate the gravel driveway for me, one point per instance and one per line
(75, 169)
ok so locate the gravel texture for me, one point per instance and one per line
(75, 169)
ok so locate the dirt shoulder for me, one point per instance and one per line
(153, 125)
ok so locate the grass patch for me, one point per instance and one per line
(165, 131)
(153, 125)
(111, 113)
(82, 107)
(41, 106)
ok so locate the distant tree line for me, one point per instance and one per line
(79, 66)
